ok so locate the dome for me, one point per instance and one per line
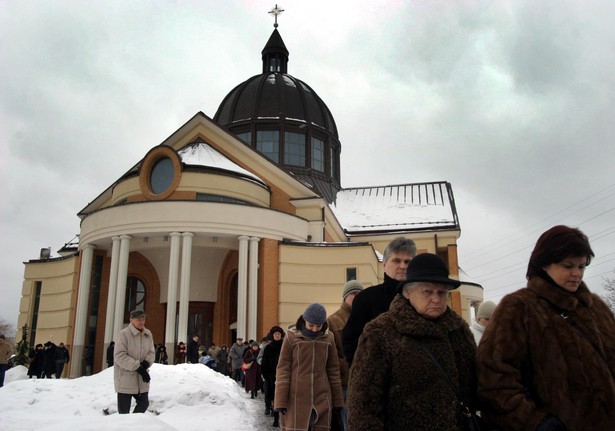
(285, 120)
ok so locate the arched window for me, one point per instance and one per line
(135, 297)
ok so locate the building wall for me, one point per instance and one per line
(56, 313)
(318, 273)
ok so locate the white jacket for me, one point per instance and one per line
(131, 348)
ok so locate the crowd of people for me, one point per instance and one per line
(395, 356)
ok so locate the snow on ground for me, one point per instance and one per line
(182, 397)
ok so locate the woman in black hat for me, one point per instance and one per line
(416, 365)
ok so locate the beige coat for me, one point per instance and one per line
(131, 348)
(5, 352)
(336, 323)
(307, 378)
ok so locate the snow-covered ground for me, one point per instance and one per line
(182, 397)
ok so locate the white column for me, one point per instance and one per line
(122, 276)
(184, 287)
(253, 288)
(110, 317)
(242, 291)
(169, 335)
(81, 318)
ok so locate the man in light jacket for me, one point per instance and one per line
(133, 354)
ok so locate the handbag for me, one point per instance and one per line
(246, 366)
(469, 421)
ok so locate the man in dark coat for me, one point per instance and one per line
(49, 360)
(372, 302)
(193, 350)
(62, 357)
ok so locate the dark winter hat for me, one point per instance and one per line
(430, 268)
(315, 314)
(352, 286)
(137, 314)
(275, 329)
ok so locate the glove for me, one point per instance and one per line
(337, 422)
(145, 365)
(281, 410)
(144, 374)
(551, 423)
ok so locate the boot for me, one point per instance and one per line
(276, 420)
(252, 395)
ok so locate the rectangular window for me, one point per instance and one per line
(268, 143)
(333, 163)
(351, 274)
(38, 286)
(318, 154)
(246, 137)
(294, 149)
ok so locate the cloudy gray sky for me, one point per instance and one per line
(510, 101)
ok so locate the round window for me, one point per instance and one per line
(161, 176)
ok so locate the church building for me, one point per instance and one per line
(233, 224)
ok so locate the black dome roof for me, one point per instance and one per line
(276, 101)
(275, 95)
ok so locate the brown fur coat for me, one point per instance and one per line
(394, 385)
(533, 362)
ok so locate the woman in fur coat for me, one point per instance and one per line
(308, 388)
(253, 374)
(395, 382)
(547, 359)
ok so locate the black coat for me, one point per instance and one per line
(367, 305)
(110, 354)
(269, 364)
(192, 352)
(36, 363)
(49, 360)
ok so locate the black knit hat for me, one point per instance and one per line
(429, 268)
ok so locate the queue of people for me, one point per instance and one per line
(396, 356)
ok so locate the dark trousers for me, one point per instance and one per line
(3, 368)
(124, 400)
(59, 368)
(237, 374)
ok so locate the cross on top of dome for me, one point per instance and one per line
(275, 12)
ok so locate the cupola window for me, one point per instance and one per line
(294, 149)
(268, 144)
(318, 154)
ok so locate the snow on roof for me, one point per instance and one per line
(396, 207)
(203, 154)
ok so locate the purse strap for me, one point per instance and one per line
(444, 373)
(465, 410)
